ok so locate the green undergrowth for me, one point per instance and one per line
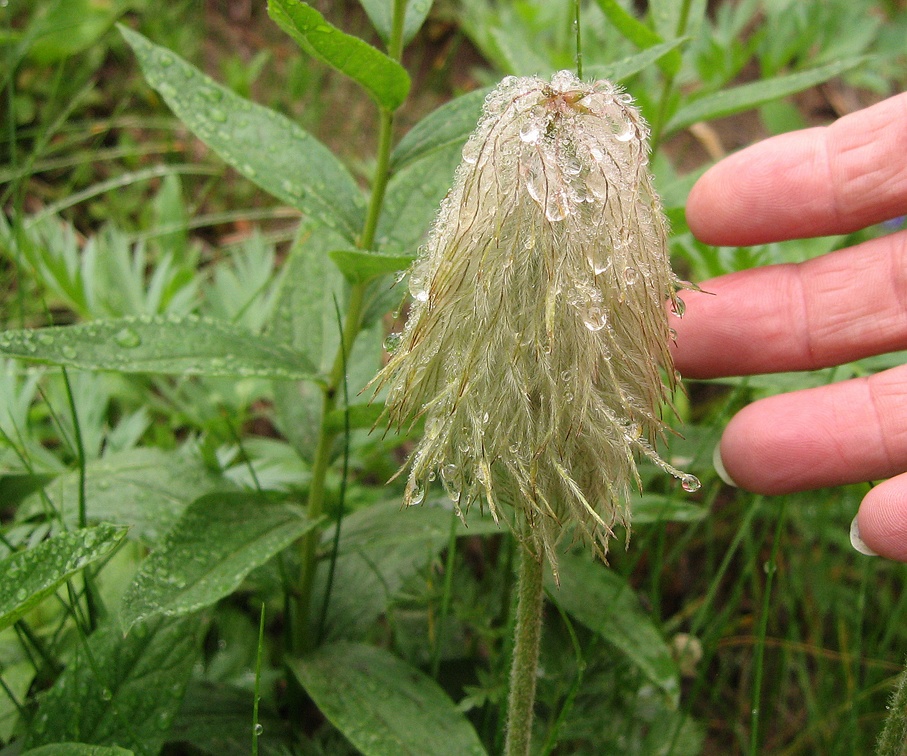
(204, 218)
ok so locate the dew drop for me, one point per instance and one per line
(418, 287)
(69, 352)
(680, 307)
(106, 694)
(127, 338)
(597, 153)
(258, 729)
(392, 342)
(471, 151)
(594, 318)
(690, 483)
(416, 492)
(557, 208)
(626, 133)
(531, 132)
(631, 276)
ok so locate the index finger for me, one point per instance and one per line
(826, 180)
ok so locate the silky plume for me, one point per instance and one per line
(536, 347)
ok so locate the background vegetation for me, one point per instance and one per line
(182, 364)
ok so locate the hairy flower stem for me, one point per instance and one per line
(303, 626)
(527, 642)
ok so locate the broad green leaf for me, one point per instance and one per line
(360, 266)
(216, 719)
(640, 34)
(604, 602)
(447, 126)
(304, 319)
(63, 29)
(624, 68)
(77, 749)
(382, 705)
(413, 197)
(219, 539)
(121, 690)
(380, 13)
(187, 345)
(748, 96)
(263, 145)
(384, 79)
(28, 577)
(381, 547)
(146, 489)
(657, 508)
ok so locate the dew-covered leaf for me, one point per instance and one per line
(219, 539)
(382, 705)
(641, 35)
(605, 602)
(263, 145)
(381, 547)
(380, 13)
(77, 749)
(28, 577)
(187, 345)
(383, 78)
(659, 508)
(146, 489)
(121, 690)
(447, 126)
(360, 266)
(748, 96)
(412, 200)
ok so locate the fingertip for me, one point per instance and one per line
(881, 522)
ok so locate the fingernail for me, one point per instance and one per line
(857, 542)
(719, 466)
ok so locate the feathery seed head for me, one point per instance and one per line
(537, 336)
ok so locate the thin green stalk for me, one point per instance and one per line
(302, 625)
(579, 42)
(256, 726)
(526, 646)
(446, 592)
(760, 635)
(668, 88)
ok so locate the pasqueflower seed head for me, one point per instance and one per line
(538, 335)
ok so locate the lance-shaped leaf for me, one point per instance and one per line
(187, 345)
(121, 690)
(359, 266)
(381, 11)
(604, 602)
(78, 749)
(748, 96)
(28, 577)
(624, 68)
(219, 539)
(383, 78)
(382, 705)
(639, 34)
(263, 145)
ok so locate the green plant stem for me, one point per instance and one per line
(302, 625)
(526, 645)
(579, 42)
(445, 595)
(668, 88)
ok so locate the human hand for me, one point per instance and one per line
(833, 309)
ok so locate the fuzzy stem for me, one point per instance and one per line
(893, 740)
(527, 642)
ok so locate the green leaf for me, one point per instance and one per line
(604, 602)
(380, 13)
(188, 345)
(412, 200)
(31, 576)
(624, 68)
(386, 81)
(640, 34)
(749, 96)
(658, 508)
(77, 749)
(360, 266)
(381, 547)
(361, 416)
(146, 489)
(121, 690)
(382, 705)
(447, 126)
(219, 539)
(67, 28)
(263, 145)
